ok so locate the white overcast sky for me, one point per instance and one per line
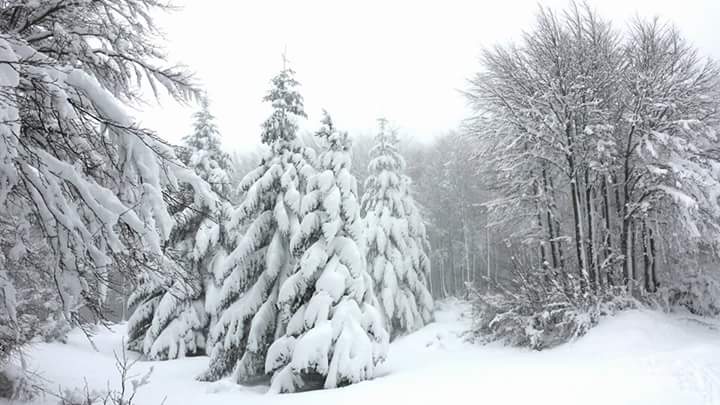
(404, 60)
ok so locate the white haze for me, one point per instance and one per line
(405, 60)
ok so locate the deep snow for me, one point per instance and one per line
(636, 357)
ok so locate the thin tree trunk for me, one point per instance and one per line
(607, 240)
(646, 257)
(558, 227)
(453, 268)
(626, 221)
(441, 273)
(653, 269)
(624, 236)
(474, 267)
(625, 246)
(487, 238)
(589, 213)
(467, 251)
(543, 258)
(579, 248)
(551, 233)
(633, 263)
(430, 280)
(575, 194)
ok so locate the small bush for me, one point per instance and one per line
(542, 308)
(124, 395)
(697, 291)
(16, 383)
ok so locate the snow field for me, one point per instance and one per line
(636, 357)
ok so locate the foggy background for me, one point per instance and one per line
(404, 60)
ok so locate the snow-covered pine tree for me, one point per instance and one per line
(396, 241)
(178, 324)
(206, 156)
(171, 314)
(246, 304)
(144, 299)
(334, 334)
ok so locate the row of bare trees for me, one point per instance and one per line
(601, 146)
(465, 247)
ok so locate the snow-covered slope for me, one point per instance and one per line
(637, 357)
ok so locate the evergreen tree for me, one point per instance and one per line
(206, 156)
(334, 334)
(178, 324)
(171, 314)
(246, 303)
(396, 241)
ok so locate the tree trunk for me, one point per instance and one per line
(653, 269)
(551, 233)
(628, 271)
(579, 249)
(633, 263)
(558, 226)
(487, 238)
(590, 248)
(607, 239)
(575, 197)
(646, 256)
(543, 258)
(466, 246)
(624, 236)
(443, 275)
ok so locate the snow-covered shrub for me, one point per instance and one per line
(16, 384)
(697, 291)
(28, 309)
(29, 304)
(541, 308)
(55, 329)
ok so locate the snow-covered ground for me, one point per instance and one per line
(637, 357)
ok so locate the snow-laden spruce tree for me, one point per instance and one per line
(178, 323)
(246, 303)
(333, 332)
(396, 241)
(144, 299)
(204, 152)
